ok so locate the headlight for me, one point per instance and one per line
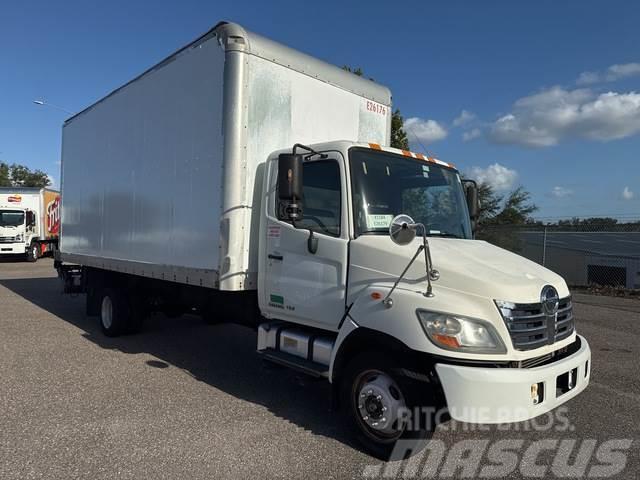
(18, 237)
(460, 334)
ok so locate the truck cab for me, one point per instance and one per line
(370, 273)
(17, 226)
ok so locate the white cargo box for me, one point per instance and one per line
(159, 178)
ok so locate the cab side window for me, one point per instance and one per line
(321, 198)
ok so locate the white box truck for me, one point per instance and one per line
(248, 182)
(29, 221)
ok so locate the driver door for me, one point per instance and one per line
(301, 286)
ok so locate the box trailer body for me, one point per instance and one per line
(247, 182)
(160, 176)
(29, 221)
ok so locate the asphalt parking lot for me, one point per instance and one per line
(188, 400)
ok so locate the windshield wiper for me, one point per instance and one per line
(443, 235)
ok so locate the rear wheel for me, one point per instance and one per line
(382, 406)
(33, 253)
(115, 313)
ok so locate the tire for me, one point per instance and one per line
(33, 253)
(377, 403)
(115, 312)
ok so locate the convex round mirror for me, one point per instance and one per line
(402, 229)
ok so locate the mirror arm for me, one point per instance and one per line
(388, 301)
(308, 149)
(427, 260)
(312, 243)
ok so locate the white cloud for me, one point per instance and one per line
(52, 179)
(561, 192)
(613, 73)
(464, 118)
(588, 78)
(498, 176)
(471, 134)
(627, 194)
(616, 72)
(427, 131)
(546, 118)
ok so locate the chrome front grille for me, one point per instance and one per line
(530, 327)
(7, 239)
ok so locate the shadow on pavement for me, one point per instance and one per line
(222, 356)
(12, 258)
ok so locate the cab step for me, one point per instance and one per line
(296, 363)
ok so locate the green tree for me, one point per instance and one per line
(490, 203)
(499, 214)
(20, 176)
(517, 208)
(398, 135)
(593, 221)
(5, 180)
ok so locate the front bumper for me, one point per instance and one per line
(504, 395)
(12, 248)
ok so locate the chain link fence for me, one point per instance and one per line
(586, 255)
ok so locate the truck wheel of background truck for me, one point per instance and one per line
(376, 400)
(114, 312)
(33, 253)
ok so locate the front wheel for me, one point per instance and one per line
(384, 407)
(33, 253)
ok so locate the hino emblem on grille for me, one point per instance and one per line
(550, 301)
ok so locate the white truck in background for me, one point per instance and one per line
(29, 221)
(248, 182)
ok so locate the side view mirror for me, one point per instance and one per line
(473, 203)
(402, 230)
(290, 184)
(30, 218)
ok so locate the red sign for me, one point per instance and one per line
(53, 216)
(14, 198)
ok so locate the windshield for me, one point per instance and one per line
(385, 185)
(11, 218)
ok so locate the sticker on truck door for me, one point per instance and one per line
(378, 221)
(273, 232)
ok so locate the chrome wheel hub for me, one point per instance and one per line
(380, 403)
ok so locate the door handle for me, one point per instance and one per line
(275, 257)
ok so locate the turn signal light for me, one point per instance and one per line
(451, 342)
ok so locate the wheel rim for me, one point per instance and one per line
(106, 312)
(35, 252)
(379, 404)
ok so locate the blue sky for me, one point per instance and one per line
(551, 89)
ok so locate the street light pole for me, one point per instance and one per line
(47, 104)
